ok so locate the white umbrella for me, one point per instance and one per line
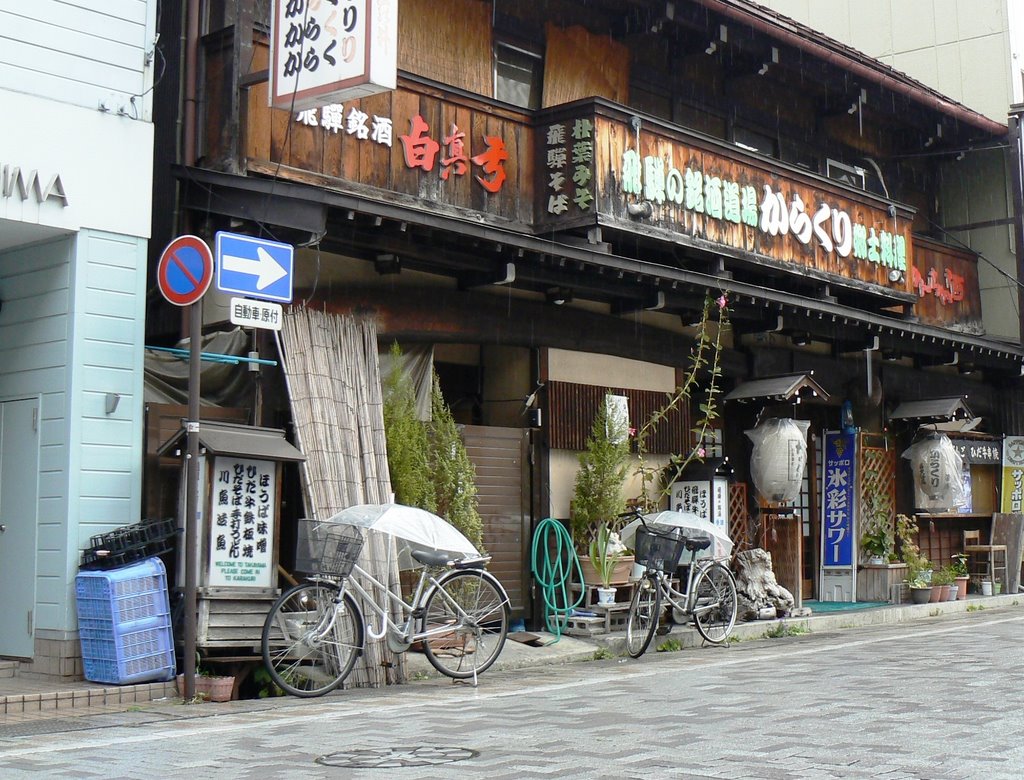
(692, 526)
(412, 528)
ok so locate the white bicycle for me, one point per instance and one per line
(316, 630)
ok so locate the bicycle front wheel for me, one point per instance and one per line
(644, 613)
(714, 611)
(467, 616)
(311, 639)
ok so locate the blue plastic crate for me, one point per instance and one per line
(145, 655)
(119, 597)
(124, 624)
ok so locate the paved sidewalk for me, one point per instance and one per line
(25, 700)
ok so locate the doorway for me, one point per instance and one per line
(19, 502)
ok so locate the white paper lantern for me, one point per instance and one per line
(938, 471)
(779, 457)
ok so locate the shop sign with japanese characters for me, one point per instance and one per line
(1012, 498)
(978, 452)
(242, 519)
(717, 197)
(323, 51)
(837, 518)
(447, 153)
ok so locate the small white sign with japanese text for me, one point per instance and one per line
(255, 314)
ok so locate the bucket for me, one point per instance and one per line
(986, 588)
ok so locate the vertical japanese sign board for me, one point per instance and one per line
(328, 51)
(708, 499)
(838, 551)
(1012, 492)
(243, 510)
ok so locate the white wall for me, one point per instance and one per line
(105, 163)
(82, 52)
(960, 47)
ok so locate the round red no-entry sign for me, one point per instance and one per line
(185, 270)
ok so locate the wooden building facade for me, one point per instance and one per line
(554, 188)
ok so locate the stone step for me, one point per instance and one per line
(76, 695)
(8, 669)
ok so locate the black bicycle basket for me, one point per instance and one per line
(657, 549)
(330, 549)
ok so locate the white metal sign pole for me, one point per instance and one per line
(195, 332)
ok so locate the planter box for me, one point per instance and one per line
(210, 688)
(620, 575)
(882, 582)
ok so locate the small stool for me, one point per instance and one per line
(984, 561)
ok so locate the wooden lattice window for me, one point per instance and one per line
(572, 408)
(878, 471)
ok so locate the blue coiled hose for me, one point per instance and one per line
(552, 561)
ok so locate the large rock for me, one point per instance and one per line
(756, 587)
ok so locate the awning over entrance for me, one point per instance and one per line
(779, 388)
(230, 439)
(934, 410)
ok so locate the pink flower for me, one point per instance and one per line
(632, 431)
(722, 302)
(701, 452)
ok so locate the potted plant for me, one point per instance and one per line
(960, 575)
(598, 491)
(941, 580)
(209, 687)
(877, 541)
(606, 551)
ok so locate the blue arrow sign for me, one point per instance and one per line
(254, 267)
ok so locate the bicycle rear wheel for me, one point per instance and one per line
(644, 613)
(714, 611)
(472, 642)
(310, 642)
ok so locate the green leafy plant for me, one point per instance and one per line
(910, 553)
(703, 376)
(786, 629)
(605, 551)
(452, 474)
(407, 440)
(878, 538)
(958, 565)
(671, 645)
(943, 576)
(597, 493)
(266, 687)
(427, 460)
(602, 654)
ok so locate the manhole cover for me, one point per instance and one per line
(390, 758)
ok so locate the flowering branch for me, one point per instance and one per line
(699, 364)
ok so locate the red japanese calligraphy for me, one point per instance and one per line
(949, 289)
(491, 160)
(456, 161)
(420, 149)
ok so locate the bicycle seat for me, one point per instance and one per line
(431, 557)
(697, 544)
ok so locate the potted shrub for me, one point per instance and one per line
(877, 542)
(941, 580)
(597, 494)
(960, 575)
(606, 553)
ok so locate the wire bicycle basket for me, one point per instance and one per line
(659, 549)
(330, 549)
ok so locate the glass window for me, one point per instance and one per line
(847, 174)
(753, 141)
(517, 76)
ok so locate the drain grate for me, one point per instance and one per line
(392, 758)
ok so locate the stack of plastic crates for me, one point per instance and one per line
(125, 624)
(129, 544)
